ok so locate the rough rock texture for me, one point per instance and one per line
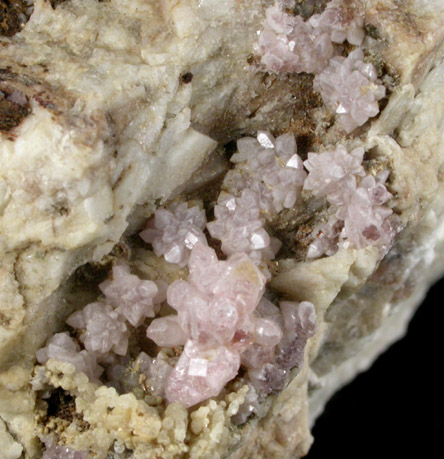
(110, 109)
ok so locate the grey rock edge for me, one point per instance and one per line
(114, 130)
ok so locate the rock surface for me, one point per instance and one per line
(110, 109)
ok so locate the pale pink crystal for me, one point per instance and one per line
(326, 238)
(173, 233)
(217, 301)
(361, 218)
(341, 22)
(333, 174)
(157, 371)
(288, 44)
(54, 451)
(299, 321)
(366, 219)
(201, 373)
(350, 88)
(104, 329)
(268, 178)
(239, 225)
(134, 298)
(274, 170)
(166, 331)
(62, 347)
(216, 316)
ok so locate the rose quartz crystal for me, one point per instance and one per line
(104, 329)
(350, 88)
(361, 219)
(201, 373)
(157, 371)
(173, 233)
(299, 324)
(288, 44)
(272, 169)
(215, 312)
(341, 23)
(132, 297)
(239, 225)
(366, 219)
(333, 174)
(326, 238)
(268, 178)
(53, 451)
(62, 347)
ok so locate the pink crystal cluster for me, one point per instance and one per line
(62, 347)
(361, 217)
(173, 233)
(287, 43)
(298, 322)
(104, 325)
(350, 88)
(54, 451)
(341, 22)
(268, 178)
(215, 322)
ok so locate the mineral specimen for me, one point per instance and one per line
(282, 163)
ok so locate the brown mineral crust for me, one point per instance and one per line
(294, 228)
(11, 112)
(307, 8)
(56, 3)
(284, 101)
(12, 16)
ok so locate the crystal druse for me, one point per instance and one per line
(213, 214)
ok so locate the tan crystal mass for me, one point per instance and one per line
(128, 104)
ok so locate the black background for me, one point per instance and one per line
(395, 409)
